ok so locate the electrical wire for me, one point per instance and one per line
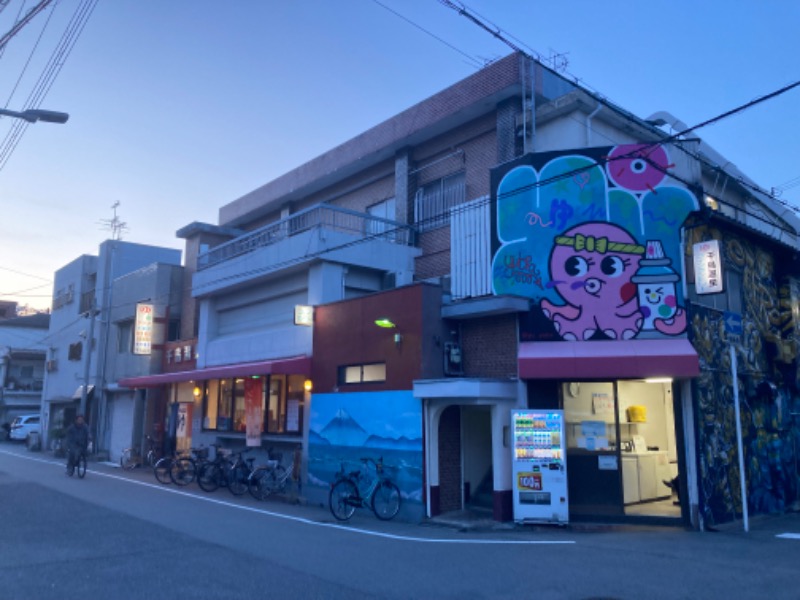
(499, 34)
(25, 274)
(57, 60)
(474, 61)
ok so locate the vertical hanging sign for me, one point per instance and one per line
(143, 329)
(707, 267)
(253, 412)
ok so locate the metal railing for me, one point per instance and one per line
(322, 216)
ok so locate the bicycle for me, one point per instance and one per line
(76, 463)
(382, 495)
(214, 474)
(180, 468)
(239, 472)
(271, 478)
(132, 458)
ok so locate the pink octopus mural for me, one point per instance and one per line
(591, 267)
(613, 286)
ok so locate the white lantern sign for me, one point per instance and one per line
(708, 267)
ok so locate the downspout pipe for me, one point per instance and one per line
(589, 123)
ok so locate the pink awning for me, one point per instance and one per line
(608, 359)
(297, 365)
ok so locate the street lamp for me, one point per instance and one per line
(32, 115)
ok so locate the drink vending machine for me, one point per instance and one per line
(539, 466)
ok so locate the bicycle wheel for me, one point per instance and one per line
(128, 461)
(237, 480)
(162, 469)
(276, 480)
(386, 500)
(81, 466)
(183, 471)
(257, 485)
(343, 499)
(208, 477)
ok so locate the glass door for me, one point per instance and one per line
(593, 455)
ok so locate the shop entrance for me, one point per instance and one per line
(622, 450)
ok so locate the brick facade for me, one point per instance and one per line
(450, 459)
(490, 347)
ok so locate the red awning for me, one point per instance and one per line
(298, 365)
(608, 359)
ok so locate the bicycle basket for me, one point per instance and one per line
(201, 453)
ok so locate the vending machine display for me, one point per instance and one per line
(539, 466)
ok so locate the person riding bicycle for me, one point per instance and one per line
(77, 440)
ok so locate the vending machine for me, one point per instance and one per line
(539, 466)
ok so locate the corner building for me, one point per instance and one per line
(514, 242)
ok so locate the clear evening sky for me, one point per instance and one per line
(178, 107)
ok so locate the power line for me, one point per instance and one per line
(475, 62)
(498, 33)
(24, 274)
(52, 69)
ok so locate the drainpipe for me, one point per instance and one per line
(589, 124)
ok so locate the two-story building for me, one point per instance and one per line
(22, 364)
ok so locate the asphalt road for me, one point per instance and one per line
(122, 535)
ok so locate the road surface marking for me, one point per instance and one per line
(390, 536)
(789, 536)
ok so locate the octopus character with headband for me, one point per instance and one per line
(591, 267)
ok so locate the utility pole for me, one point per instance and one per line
(88, 360)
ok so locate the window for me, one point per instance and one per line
(26, 372)
(381, 210)
(124, 337)
(75, 351)
(369, 373)
(434, 200)
(281, 404)
(728, 300)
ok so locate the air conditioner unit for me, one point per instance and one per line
(453, 363)
(51, 365)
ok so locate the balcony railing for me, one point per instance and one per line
(323, 216)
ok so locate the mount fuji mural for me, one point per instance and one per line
(344, 428)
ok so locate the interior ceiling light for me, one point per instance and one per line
(384, 322)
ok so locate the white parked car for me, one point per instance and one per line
(23, 426)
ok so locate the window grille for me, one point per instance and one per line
(434, 200)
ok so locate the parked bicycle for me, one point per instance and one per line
(239, 472)
(271, 478)
(132, 457)
(181, 467)
(380, 493)
(214, 473)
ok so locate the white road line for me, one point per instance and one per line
(268, 513)
(789, 536)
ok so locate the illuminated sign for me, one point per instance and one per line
(707, 267)
(303, 315)
(529, 481)
(143, 329)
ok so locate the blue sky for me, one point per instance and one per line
(178, 107)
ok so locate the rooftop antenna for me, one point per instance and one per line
(115, 225)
